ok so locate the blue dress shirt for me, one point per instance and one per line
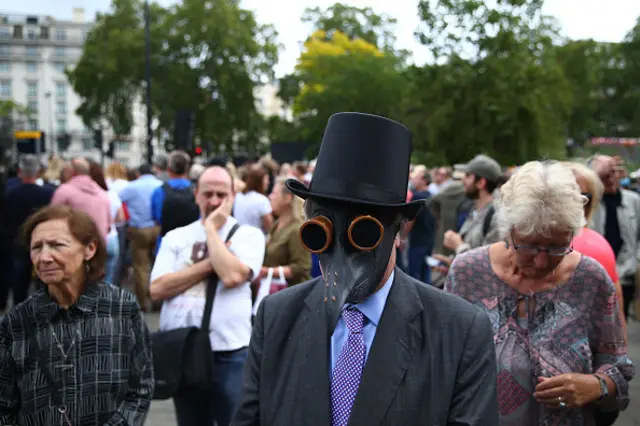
(372, 308)
(137, 195)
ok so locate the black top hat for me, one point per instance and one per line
(363, 159)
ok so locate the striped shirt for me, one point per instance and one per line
(107, 377)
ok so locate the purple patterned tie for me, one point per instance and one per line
(348, 370)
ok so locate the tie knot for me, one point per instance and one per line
(354, 319)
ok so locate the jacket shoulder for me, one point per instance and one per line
(282, 308)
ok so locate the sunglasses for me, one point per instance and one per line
(364, 233)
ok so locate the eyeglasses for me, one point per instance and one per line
(529, 250)
(365, 233)
(588, 195)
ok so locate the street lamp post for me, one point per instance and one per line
(147, 52)
(52, 139)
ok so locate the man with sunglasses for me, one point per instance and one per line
(618, 219)
(365, 344)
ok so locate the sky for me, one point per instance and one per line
(602, 20)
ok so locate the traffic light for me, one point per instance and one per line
(111, 151)
(198, 150)
(63, 140)
(97, 139)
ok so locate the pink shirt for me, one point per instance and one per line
(592, 244)
(82, 193)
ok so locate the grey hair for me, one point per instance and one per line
(541, 199)
(178, 162)
(29, 165)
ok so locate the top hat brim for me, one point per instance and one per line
(410, 210)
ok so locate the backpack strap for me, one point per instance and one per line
(486, 225)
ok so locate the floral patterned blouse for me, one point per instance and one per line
(574, 327)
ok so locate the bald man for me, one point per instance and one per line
(187, 259)
(617, 219)
(83, 193)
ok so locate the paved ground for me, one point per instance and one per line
(162, 412)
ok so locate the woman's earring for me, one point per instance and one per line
(506, 244)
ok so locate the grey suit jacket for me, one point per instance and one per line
(432, 362)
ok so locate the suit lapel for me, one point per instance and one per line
(316, 396)
(395, 344)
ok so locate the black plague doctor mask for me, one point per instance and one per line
(355, 205)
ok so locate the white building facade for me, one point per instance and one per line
(34, 53)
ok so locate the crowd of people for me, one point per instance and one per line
(548, 251)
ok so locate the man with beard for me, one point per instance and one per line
(188, 257)
(365, 344)
(480, 182)
(616, 218)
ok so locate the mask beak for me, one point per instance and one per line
(345, 281)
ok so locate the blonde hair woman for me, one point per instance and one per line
(588, 241)
(116, 176)
(52, 174)
(562, 356)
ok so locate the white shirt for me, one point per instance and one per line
(230, 327)
(249, 208)
(117, 184)
(115, 204)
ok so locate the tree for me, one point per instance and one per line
(630, 79)
(343, 74)
(507, 96)
(354, 22)
(207, 57)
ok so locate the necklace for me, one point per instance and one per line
(66, 365)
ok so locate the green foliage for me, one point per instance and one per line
(356, 23)
(206, 56)
(507, 97)
(344, 74)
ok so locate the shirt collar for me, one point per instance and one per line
(47, 308)
(373, 305)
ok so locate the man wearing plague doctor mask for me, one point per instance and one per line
(365, 344)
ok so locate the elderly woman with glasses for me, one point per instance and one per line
(560, 344)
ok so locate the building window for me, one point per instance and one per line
(59, 52)
(59, 66)
(5, 50)
(5, 88)
(32, 34)
(44, 33)
(33, 124)
(5, 32)
(123, 146)
(32, 106)
(61, 34)
(61, 107)
(87, 144)
(61, 125)
(5, 66)
(61, 90)
(85, 33)
(32, 89)
(32, 67)
(32, 51)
